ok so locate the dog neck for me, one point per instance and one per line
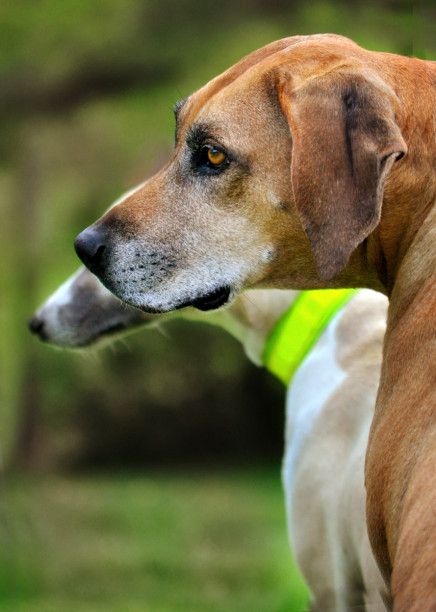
(401, 472)
(250, 319)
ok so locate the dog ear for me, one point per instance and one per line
(345, 140)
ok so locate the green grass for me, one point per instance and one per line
(154, 542)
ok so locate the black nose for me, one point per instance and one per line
(36, 326)
(91, 246)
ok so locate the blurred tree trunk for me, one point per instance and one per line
(23, 438)
(27, 451)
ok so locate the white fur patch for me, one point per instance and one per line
(313, 383)
(63, 294)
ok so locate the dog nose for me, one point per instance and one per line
(91, 245)
(37, 326)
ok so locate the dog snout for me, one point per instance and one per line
(91, 245)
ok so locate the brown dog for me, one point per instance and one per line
(284, 175)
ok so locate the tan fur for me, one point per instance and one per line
(331, 182)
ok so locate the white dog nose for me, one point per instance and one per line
(91, 246)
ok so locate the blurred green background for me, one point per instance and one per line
(144, 476)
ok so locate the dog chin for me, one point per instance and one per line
(209, 300)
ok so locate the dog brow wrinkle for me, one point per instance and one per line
(197, 135)
(176, 109)
(179, 105)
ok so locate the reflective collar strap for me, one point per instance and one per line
(299, 328)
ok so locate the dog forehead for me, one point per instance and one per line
(211, 101)
(230, 105)
(299, 55)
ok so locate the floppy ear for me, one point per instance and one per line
(344, 142)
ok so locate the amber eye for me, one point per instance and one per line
(215, 157)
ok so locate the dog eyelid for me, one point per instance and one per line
(208, 156)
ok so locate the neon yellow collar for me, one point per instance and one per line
(299, 328)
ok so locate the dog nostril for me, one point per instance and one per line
(99, 252)
(90, 247)
(36, 326)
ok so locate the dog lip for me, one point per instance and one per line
(208, 301)
(212, 300)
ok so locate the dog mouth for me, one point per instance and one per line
(210, 301)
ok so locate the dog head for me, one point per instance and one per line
(277, 176)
